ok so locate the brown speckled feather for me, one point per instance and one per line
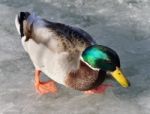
(85, 78)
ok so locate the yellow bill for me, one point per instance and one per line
(120, 78)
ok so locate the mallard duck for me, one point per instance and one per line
(68, 55)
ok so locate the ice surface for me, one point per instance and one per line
(123, 25)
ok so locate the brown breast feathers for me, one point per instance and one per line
(85, 78)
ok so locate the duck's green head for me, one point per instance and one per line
(101, 57)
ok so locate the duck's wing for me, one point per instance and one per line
(63, 36)
(69, 32)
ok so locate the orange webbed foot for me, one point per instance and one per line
(44, 87)
(100, 89)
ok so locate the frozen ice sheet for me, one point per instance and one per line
(123, 25)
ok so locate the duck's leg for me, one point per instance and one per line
(44, 87)
(100, 89)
